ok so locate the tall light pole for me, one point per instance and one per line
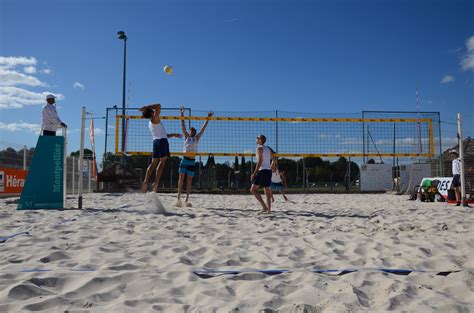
(121, 35)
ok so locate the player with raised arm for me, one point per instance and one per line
(161, 149)
(188, 163)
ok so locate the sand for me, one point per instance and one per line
(126, 253)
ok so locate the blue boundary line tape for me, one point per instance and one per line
(211, 273)
(4, 239)
(43, 270)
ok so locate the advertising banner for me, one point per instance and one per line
(11, 180)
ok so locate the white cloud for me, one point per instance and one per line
(447, 79)
(448, 142)
(231, 20)
(78, 85)
(14, 97)
(11, 62)
(13, 78)
(407, 141)
(351, 141)
(46, 71)
(30, 70)
(13, 94)
(20, 127)
(467, 62)
(329, 136)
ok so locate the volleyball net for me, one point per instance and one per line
(297, 136)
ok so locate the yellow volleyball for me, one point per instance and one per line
(168, 70)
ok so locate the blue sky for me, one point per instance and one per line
(302, 56)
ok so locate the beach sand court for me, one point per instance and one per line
(137, 252)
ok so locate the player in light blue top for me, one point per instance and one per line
(188, 163)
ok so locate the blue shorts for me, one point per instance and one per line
(263, 178)
(187, 166)
(276, 186)
(161, 148)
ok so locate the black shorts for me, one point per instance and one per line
(263, 178)
(161, 148)
(456, 180)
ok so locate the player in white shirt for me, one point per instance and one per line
(161, 149)
(278, 181)
(456, 176)
(262, 176)
(188, 163)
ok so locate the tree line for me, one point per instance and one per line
(211, 174)
(236, 174)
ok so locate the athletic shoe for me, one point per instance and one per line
(458, 203)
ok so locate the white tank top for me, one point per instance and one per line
(456, 166)
(190, 144)
(276, 178)
(157, 130)
(266, 158)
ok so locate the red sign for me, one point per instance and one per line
(12, 180)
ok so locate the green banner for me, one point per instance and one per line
(43, 187)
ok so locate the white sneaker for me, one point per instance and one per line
(178, 203)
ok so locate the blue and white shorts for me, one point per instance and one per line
(187, 166)
(277, 186)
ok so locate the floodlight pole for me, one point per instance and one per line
(121, 35)
(461, 156)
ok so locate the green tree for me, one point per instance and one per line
(311, 162)
(87, 154)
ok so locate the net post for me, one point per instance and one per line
(65, 167)
(24, 157)
(116, 133)
(89, 165)
(81, 158)
(441, 162)
(106, 136)
(73, 176)
(276, 131)
(461, 156)
(430, 123)
(363, 139)
(200, 173)
(304, 174)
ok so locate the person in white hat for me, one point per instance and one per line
(50, 120)
(456, 176)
